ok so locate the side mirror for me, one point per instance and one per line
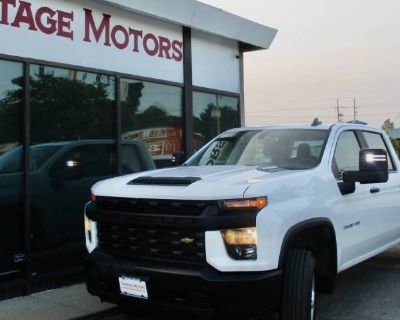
(373, 168)
(73, 170)
(66, 171)
(178, 158)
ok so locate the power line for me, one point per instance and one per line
(322, 112)
(324, 107)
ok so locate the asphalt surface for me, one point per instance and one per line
(369, 291)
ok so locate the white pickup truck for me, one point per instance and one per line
(260, 218)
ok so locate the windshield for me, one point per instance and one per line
(11, 162)
(292, 149)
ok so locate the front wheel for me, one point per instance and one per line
(299, 295)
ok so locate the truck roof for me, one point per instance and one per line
(323, 126)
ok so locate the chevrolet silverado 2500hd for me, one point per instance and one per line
(258, 218)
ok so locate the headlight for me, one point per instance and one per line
(241, 244)
(90, 234)
(253, 203)
(89, 228)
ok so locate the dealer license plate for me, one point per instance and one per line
(133, 287)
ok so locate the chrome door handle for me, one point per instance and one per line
(374, 190)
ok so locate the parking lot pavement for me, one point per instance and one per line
(370, 291)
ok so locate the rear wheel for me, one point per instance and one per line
(326, 283)
(299, 294)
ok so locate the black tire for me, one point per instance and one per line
(298, 296)
(326, 283)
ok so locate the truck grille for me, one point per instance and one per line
(152, 242)
(149, 206)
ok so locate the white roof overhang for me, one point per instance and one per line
(203, 17)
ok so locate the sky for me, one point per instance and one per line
(324, 51)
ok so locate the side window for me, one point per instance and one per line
(346, 157)
(375, 141)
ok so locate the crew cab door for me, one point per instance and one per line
(386, 195)
(362, 217)
(72, 176)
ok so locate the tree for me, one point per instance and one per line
(155, 116)
(388, 126)
(61, 110)
(130, 105)
(207, 125)
(10, 114)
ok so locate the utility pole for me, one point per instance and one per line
(355, 109)
(339, 115)
(339, 108)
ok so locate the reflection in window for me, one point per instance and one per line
(294, 149)
(11, 161)
(213, 114)
(72, 129)
(152, 113)
(375, 141)
(70, 105)
(346, 156)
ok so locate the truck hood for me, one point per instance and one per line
(213, 182)
(208, 183)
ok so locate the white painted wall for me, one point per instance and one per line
(215, 62)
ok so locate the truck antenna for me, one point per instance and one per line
(316, 123)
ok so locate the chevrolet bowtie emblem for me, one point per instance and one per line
(187, 241)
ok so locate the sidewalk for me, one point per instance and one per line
(59, 304)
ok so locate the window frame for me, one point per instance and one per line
(217, 94)
(358, 137)
(121, 120)
(394, 165)
(362, 142)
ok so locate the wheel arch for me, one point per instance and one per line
(317, 235)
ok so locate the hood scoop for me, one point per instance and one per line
(164, 181)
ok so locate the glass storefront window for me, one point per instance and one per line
(72, 147)
(213, 114)
(153, 113)
(69, 105)
(11, 175)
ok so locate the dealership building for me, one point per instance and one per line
(80, 83)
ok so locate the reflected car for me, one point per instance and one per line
(61, 175)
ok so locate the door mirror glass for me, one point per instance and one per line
(73, 170)
(68, 170)
(373, 167)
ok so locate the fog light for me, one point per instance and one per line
(241, 244)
